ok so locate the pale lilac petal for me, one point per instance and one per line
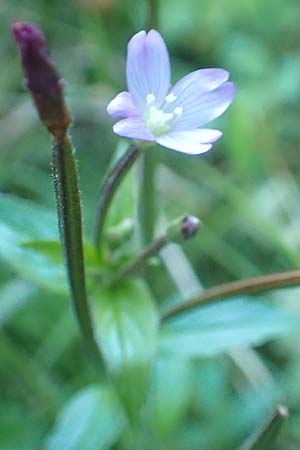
(122, 106)
(192, 142)
(200, 81)
(148, 68)
(205, 135)
(134, 128)
(199, 109)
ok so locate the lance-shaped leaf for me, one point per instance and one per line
(170, 394)
(221, 327)
(23, 220)
(126, 322)
(91, 420)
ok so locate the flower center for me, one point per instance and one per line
(157, 120)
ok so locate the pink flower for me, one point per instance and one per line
(153, 110)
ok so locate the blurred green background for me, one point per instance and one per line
(246, 190)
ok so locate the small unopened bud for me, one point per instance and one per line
(42, 79)
(189, 226)
(120, 233)
(183, 229)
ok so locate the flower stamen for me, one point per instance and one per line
(170, 98)
(158, 120)
(150, 99)
(178, 111)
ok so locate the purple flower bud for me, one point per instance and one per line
(182, 229)
(189, 226)
(42, 79)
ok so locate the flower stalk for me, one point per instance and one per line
(152, 14)
(178, 232)
(138, 263)
(249, 286)
(146, 198)
(109, 187)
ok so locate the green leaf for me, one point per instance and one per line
(91, 420)
(126, 330)
(28, 218)
(53, 250)
(60, 337)
(19, 428)
(22, 220)
(223, 326)
(170, 393)
(13, 296)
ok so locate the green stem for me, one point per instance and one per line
(153, 14)
(178, 232)
(248, 286)
(70, 226)
(109, 188)
(136, 264)
(147, 203)
(265, 438)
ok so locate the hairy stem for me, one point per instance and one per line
(109, 187)
(248, 286)
(70, 226)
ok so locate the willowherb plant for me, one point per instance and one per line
(118, 316)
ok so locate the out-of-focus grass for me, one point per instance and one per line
(246, 191)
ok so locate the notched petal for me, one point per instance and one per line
(199, 82)
(147, 69)
(200, 110)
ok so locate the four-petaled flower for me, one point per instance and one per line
(152, 110)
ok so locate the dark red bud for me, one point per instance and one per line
(42, 79)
